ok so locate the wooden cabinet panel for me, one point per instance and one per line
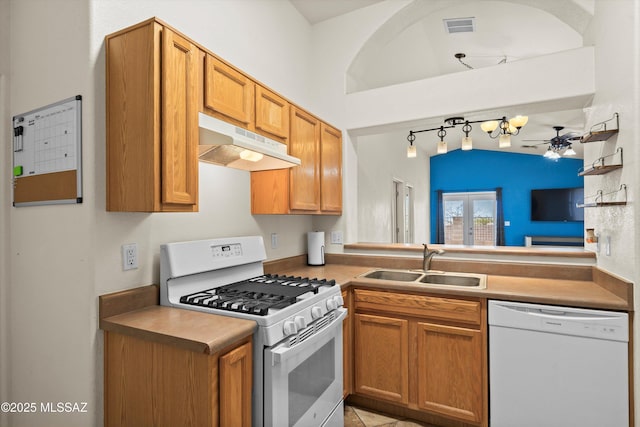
(330, 169)
(450, 378)
(152, 93)
(381, 357)
(347, 351)
(152, 384)
(272, 114)
(314, 187)
(449, 309)
(304, 143)
(447, 364)
(180, 60)
(236, 381)
(228, 94)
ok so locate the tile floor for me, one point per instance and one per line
(358, 417)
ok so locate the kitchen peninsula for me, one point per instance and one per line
(567, 278)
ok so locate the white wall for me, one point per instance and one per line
(63, 257)
(4, 206)
(616, 31)
(381, 160)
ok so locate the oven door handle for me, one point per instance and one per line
(282, 353)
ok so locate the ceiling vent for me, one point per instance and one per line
(459, 25)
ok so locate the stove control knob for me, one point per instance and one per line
(301, 322)
(339, 300)
(316, 312)
(289, 327)
(331, 304)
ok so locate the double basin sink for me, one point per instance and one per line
(431, 277)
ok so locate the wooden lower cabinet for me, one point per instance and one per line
(450, 371)
(152, 384)
(382, 357)
(235, 387)
(421, 356)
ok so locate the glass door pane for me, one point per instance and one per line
(469, 218)
(484, 224)
(454, 230)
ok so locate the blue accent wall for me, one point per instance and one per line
(517, 174)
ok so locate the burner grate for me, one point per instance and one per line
(256, 295)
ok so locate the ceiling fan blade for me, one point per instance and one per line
(542, 141)
(571, 136)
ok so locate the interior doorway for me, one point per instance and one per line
(470, 218)
(403, 212)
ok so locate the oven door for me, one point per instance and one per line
(303, 381)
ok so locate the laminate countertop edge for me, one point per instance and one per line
(191, 330)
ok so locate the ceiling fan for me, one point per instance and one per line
(557, 143)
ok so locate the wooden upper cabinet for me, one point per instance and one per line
(304, 143)
(272, 114)
(314, 187)
(330, 169)
(180, 83)
(228, 94)
(152, 96)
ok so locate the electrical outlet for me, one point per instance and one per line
(336, 237)
(130, 256)
(274, 240)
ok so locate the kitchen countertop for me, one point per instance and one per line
(576, 293)
(138, 314)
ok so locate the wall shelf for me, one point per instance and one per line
(599, 167)
(602, 134)
(599, 202)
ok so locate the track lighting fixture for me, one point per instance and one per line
(496, 128)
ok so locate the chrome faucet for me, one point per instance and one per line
(427, 255)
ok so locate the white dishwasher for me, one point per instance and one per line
(555, 366)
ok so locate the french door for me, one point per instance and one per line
(469, 218)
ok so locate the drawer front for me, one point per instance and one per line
(439, 308)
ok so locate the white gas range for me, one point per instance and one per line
(297, 356)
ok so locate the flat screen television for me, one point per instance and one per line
(557, 204)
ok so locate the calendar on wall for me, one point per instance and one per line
(47, 154)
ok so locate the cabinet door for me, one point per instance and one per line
(228, 93)
(235, 387)
(180, 76)
(381, 357)
(304, 143)
(272, 114)
(330, 169)
(450, 374)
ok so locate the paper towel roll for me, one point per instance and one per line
(315, 248)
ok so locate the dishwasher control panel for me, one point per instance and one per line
(601, 324)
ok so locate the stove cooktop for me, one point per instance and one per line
(257, 295)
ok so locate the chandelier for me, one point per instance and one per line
(500, 128)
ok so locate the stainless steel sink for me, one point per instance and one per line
(451, 280)
(431, 278)
(398, 275)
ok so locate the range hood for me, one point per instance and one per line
(224, 144)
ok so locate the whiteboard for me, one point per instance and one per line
(47, 155)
